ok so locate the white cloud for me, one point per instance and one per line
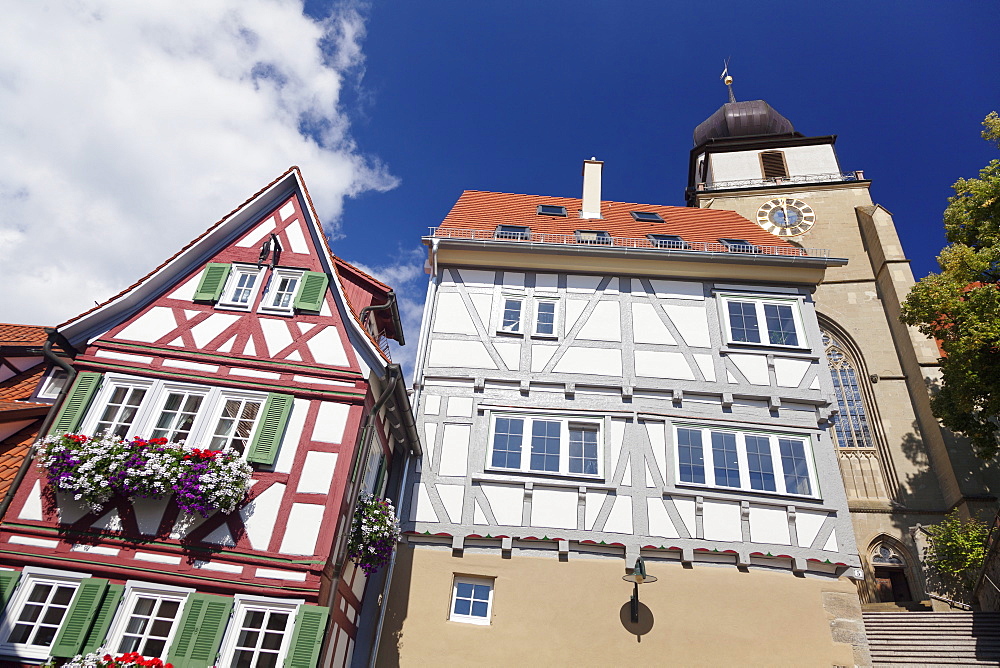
(129, 127)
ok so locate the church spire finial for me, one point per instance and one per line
(728, 80)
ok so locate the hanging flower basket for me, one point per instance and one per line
(374, 533)
(99, 660)
(96, 468)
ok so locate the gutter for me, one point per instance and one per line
(53, 337)
(394, 312)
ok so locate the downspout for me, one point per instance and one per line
(47, 353)
(389, 304)
(424, 339)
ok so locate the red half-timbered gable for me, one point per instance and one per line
(244, 340)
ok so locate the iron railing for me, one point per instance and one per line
(625, 242)
(831, 177)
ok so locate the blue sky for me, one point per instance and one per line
(130, 127)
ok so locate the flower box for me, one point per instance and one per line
(374, 533)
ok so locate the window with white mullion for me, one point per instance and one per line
(511, 315)
(262, 636)
(546, 317)
(241, 287)
(546, 444)
(177, 417)
(120, 409)
(763, 321)
(41, 614)
(280, 295)
(235, 425)
(150, 624)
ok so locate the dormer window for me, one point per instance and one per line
(668, 241)
(550, 210)
(516, 232)
(739, 246)
(772, 165)
(593, 237)
(646, 217)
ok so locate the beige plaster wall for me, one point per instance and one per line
(553, 613)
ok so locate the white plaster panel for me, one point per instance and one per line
(546, 282)
(248, 349)
(478, 516)
(110, 521)
(659, 520)
(302, 529)
(471, 354)
(476, 278)
(210, 328)
(582, 283)
(647, 326)
(432, 404)
(325, 309)
(452, 497)
(186, 523)
(657, 440)
(540, 356)
(554, 508)
(769, 525)
(721, 521)
(125, 357)
(253, 373)
(68, 509)
(685, 508)
(185, 292)
(815, 384)
(157, 558)
(661, 364)
(193, 366)
(451, 316)
(296, 239)
(32, 508)
(34, 542)
(788, 372)
(261, 515)
(506, 502)
(627, 473)
(678, 289)
(150, 326)
(430, 434)
(96, 549)
(253, 237)
(753, 367)
(707, 365)
(317, 474)
(221, 536)
(343, 640)
(287, 211)
(327, 348)
(691, 322)
(455, 450)
(620, 519)
(276, 334)
(330, 422)
(148, 513)
(831, 542)
(736, 166)
(320, 381)
(574, 308)
(274, 574)
(807, 525)
(604, 323)
(593, 503)
(730, 377)
(615, 440)
(510, 353)
(513, 279)
(809, 160)
(459, 407)
(421, 509)
(483, 303)
(293, 435)
(358, 583)
(600, 361)
(649, 474)
(215, 566)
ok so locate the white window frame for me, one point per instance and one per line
(31, 576)
(521, 300)
(556, 323)
(51, 386)
(470, 618)
(157, 391)
(133, 590)
(232, 282)
(777, 466)
(566, 422)
(243, 603)
(272, 285)
(759, 301)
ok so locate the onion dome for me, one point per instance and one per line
(742, 119)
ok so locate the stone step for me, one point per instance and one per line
(922, 663)
(934, 642)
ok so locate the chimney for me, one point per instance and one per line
(591, 205)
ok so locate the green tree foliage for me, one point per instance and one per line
(960, 307)
(956, 553)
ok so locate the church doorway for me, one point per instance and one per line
(891, 584)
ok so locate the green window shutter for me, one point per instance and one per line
(102, 620)
(199, 635)
(76, 403)
(79, 617)
(212, 281)
(8, 580)
(311, 291)
(307, 639)
(267, 438)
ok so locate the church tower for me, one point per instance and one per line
(900, 468)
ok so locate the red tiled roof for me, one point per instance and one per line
(13, 450)
(27, 335)
(481, 210)
(21, 386)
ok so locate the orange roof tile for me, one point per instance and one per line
(29, 335)
(481, 210)
(13, 450)
(21, 386)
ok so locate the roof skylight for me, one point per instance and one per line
(646, 216)
(518, 232)
(668, 241)
(551, 210)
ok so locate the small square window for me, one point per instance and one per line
(551, 210)
(593, 237)
(515, 232)
(646, 217)
(739, 246)
(281, 290)
(472, 600)
(546, 317)
(671, 241)
(510, 318)
(241, 287)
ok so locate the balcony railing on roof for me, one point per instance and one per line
(832, 177)
(625, 242)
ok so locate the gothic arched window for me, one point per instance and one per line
(851, 428)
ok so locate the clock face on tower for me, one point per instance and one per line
(786, 216)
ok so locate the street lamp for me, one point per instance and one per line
(637, 577)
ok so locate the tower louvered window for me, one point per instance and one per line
(772, 163)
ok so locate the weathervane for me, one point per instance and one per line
(728, 80)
